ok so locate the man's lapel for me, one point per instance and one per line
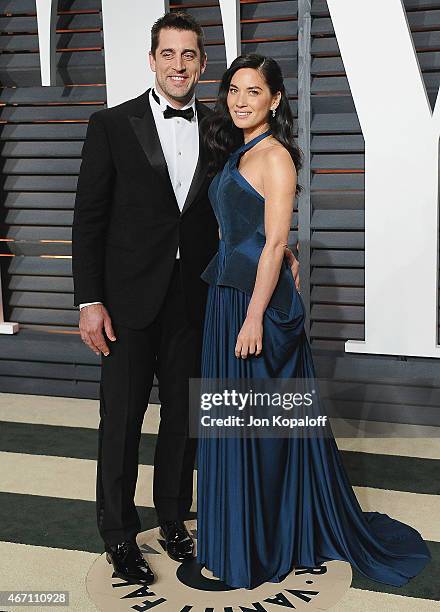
(145, 129)
(144, 126)
(201, 168)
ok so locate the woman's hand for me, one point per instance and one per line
(294, 266)
(250, 338)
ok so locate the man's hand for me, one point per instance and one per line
(294, 265)
(92, 319)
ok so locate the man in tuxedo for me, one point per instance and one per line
(143, 232)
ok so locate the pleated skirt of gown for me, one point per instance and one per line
(265, 506)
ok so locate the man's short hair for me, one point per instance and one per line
(177, 21)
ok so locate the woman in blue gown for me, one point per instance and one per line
(266, 505)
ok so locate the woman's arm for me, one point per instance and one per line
(279, 183)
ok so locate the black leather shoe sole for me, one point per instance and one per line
(128, 577)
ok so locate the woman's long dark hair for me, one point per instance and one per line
(221, 136)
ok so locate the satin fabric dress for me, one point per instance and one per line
(265, 506)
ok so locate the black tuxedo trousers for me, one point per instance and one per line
(170, 347)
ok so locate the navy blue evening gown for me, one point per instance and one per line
(265, 506)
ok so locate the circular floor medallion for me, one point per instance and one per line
(189, 587)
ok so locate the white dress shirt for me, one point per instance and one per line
(179, 139)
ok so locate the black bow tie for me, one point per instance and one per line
(187, 114)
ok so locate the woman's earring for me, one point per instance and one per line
(274, 110)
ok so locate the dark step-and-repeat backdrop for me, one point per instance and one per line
(360, 219)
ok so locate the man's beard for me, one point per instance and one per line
(176, 95)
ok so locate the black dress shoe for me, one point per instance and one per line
(178, 543)
(128, 563)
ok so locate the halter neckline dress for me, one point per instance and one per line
(265, 506)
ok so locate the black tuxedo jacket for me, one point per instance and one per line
(127, 224)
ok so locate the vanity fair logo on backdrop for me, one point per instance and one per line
(401, 150)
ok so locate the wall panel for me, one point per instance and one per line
(41, 136)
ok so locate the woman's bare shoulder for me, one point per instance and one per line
(277, 158)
